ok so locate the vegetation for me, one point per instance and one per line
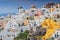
(22, 36)
(50, 38)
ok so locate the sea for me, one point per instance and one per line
(5, 14)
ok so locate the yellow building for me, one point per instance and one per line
(51, 26)
(25, 21)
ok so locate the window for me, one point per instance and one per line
(8, 35)
(32, 10)
(47, 12)
(10, 26)
(27, 18)
(19, 25)
(31, 17)
(28, 39)
(58, 16)
(21, 30)
(22, 24)
(35, 24)
(0, 25)
(57, 7)
(9, 30)
(57, 10)
(43, 9)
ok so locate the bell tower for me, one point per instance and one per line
(32, 10)
(20, 10)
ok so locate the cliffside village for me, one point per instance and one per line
(38, 21)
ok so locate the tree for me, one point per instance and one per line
(22, 36)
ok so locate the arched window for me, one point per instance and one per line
(32, 10)
(35, 24)
(0, 25)
(21, 30)
(28, 39)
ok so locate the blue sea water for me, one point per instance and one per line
(5, 14)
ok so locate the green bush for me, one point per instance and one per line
(22, 36)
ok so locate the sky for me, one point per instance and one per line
(11, 6)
